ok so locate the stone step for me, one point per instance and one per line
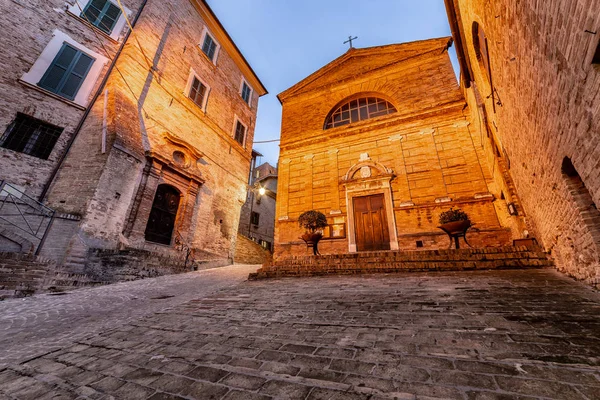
(406, 261)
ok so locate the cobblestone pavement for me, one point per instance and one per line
(461, 335)
(47, 322)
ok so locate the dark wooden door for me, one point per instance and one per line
(370, 223)
(162, 216)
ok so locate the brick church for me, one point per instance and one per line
(381, 141)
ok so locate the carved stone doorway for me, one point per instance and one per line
(370, 223)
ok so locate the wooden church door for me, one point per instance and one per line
(370, 223)
(163, 214)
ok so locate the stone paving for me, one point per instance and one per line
(459, 335)
(47, 322)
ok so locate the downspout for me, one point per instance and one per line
(89, 108)
(454, 21)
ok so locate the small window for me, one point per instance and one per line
(30, 136)
(596, 59)
(67, 72)
(246, 92)
(198, 92)
(255, 218)
(419, 243)
(103, 14)
(240, 132)
(209, 47)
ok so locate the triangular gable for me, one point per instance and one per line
(351, 63)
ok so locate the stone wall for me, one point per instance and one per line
(28, 28)
(541, 102)
(250, 252)
(157, 135)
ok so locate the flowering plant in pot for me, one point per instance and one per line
(312, 221)
(454, 221)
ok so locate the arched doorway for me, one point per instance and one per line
(163, 214)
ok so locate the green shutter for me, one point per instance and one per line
(102, 14)
(67, 72)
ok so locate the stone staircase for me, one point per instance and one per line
(516, 257)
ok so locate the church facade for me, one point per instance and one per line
(381, 140)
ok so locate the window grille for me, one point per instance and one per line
(246, 92)
(198, 92)
(67, 72)
(209, 47)
(240, 133)
(255, 218)
(30, 136)
(103, 14)
(358, 110)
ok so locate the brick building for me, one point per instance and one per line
(257, 220)
(156, 157)
(381, 140)
(530, 72)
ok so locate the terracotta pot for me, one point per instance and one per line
(455, 227)
(313, 239)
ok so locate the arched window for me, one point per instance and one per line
(358, 110)
(162, 216)
(481, 49)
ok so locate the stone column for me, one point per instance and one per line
(334, 181)
(137, 236)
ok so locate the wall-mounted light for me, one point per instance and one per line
(512, 209)
(262, 191)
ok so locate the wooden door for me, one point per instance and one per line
(370, 223)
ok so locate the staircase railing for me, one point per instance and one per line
(24, 213)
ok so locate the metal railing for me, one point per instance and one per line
(24, 213)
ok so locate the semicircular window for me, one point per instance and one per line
(358, 110)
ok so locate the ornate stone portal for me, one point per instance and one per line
(369, 178)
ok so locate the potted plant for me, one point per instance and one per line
(454, 221)
(312, 221)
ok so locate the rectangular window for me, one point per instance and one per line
(102, 14)
(596, 59)
(240, 132)
(198, 92)
(67, 72)
(30, 136)
(255, 218)
(246, 92)
(209, 47)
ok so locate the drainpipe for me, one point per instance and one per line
(89, 108)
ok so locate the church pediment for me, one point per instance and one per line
(352, 63)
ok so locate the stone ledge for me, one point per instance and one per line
(413, 261)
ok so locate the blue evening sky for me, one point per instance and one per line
(286, 40)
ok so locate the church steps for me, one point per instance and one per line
(407, 261)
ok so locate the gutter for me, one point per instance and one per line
(91, 103)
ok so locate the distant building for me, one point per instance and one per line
(257, 221)
(156, 157)
(381, 141)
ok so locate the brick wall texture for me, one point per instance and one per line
(28, 27)
(431, 146)
(547, 109)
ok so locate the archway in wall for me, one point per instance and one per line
(161, 222)
(582, 198)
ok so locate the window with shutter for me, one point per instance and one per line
(198, 92)
(209, 47)
(103, 14)
(246, 92)
(67, 72)
(240, 133)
